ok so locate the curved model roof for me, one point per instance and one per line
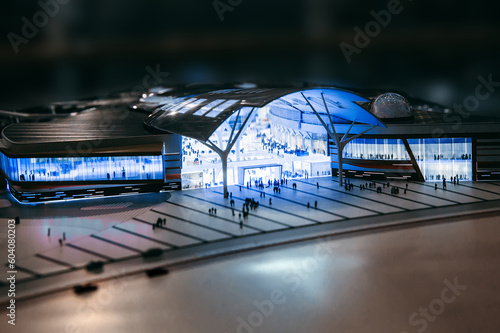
(198, 116)
(85, 133)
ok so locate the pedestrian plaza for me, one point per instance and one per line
(106, 232)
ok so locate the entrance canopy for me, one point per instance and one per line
(199, 116)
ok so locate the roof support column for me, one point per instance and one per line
(223, 158)
(224, 172)
(340, 142)
(223, 154)
(343, 142)
(413, 161)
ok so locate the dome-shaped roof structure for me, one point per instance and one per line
(391, 105)
(198, 116)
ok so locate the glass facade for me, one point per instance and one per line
(439, 158)
(299, 153)
(376, 149)
(436, 158)
(261, 143)
(83, 168)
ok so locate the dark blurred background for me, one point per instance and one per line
(432, 49)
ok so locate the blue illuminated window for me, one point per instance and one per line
(440, 158)
(112, 168)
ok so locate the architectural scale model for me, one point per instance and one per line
(175, 138)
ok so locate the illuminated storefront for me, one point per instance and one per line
(436, 158)
(443, 158)
(83, 168)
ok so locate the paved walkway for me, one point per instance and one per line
(189, 222)
(388, 280)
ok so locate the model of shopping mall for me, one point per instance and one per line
(187, 137)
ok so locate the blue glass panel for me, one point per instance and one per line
(443, 158)
(83, 168)
(377, 149)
